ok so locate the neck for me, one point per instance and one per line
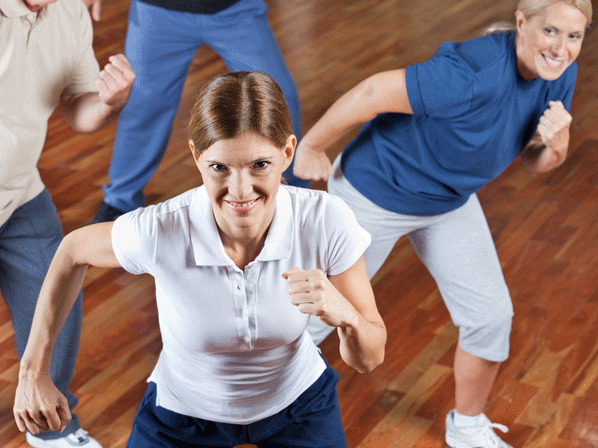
(242, 250)
(521, 67)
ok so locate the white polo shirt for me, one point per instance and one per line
(235, 349)
(42, 56)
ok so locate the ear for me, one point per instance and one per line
(520, 21)
(289, 150)
(192, 147)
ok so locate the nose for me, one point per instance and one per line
(240, 186)
(558, 48)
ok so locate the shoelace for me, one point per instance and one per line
(79, 437)
(490, 436)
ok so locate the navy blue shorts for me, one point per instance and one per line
(313, 420)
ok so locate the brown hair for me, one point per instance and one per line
(531, 8)
(236, 102)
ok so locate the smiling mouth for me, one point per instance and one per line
(242, 207)
(553, 64)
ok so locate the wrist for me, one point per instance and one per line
(36, 364)
(350, 323)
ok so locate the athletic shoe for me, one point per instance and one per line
(77, 438)
(106, 213)
(481, 436)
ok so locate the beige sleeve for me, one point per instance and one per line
(85, 68)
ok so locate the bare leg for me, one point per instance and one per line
(474, 378)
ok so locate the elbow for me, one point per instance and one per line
(69, 250)
(365, 95)
(82, 129)
(373, 358)
(372, 363)
(377, 352)
(543, 165)
(540, 158)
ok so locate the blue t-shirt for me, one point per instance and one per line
(472, 116)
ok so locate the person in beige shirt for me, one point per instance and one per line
(46, 59)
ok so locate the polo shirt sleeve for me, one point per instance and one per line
(85, 70)
(134, 240)
(441, 87)
(346, 240)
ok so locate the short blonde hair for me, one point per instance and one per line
(532, 8)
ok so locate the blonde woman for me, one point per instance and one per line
(435, 133)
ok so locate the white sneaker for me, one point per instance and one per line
(481, 436)
(77, 438)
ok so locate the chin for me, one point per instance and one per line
(550, 76)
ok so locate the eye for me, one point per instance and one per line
(218, 168)
(549, 31)
(261, 164)
(575, 36)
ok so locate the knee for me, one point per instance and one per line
(488, 339)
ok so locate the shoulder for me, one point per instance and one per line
(569, 76)
(73, 17)
(179, 203)
(319, 212)
(482, 52)
(74, 10)
(310, 203)
(159, 218)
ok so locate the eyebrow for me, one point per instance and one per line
(257, 159)
(557, 29)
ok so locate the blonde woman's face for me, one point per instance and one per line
(548, 43)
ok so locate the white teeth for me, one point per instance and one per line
(554, 63)
(242, 204)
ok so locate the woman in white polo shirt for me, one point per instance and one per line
(240, 264)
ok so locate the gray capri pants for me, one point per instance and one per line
(458, 250)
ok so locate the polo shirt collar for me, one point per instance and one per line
(206, 244)
(16, 8)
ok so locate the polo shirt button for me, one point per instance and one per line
(238, 288)
(247, 339)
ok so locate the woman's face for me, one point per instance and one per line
(241, 176)
(549, 42)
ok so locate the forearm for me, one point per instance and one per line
(537, 157)
(86, 112)
(362, 344)
(57, 296)
(344, 114)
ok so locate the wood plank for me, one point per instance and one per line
(545, 227)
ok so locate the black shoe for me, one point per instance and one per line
(106, 213)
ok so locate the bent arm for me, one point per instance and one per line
(363, 336)
(36, 396)
(380, 93)
(549, 146)
(85, 112)
(537, 157)
(88, 112)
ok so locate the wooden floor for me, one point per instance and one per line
(545, 228)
